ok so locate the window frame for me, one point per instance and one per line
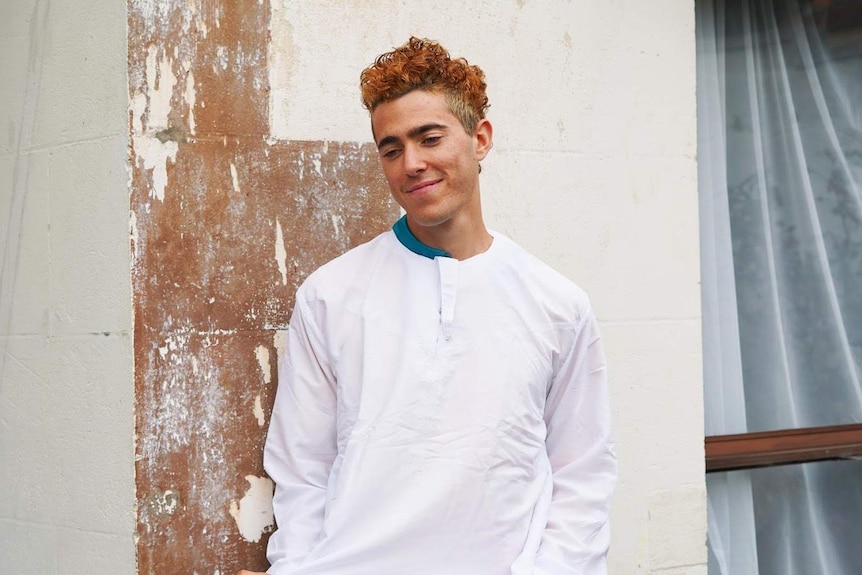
(782, 447)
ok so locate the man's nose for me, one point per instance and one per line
(414, 160)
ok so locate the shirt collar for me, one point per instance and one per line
(412, 243)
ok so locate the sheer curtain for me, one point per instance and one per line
(780, 168)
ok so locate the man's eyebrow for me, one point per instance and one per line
(386, 141)
(413, 133)
(418, 131)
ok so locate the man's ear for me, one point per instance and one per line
(483, 137)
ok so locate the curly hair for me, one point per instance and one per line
(422, 64)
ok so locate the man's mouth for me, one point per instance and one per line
(422, 186)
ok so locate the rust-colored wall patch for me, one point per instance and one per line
(225, 224)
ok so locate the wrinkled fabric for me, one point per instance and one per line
(436, 416)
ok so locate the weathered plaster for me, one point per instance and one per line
(211, 192)
(259, 415)
(150, 110)
(262, 355)
(253, 513)
(280, 252)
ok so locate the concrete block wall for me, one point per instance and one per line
(66, 393)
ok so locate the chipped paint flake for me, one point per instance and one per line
(234, 178)
(190, 95)
(165, 503)
(133, 232)
(138, 108)
(280, 252)
(154, 154)
(337, 224)
(160, 88)
(155, 106)
(253, 513)
(258, 411)
(221, 59)
(279, 341)
(262, 354)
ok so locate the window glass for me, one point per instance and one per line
(806, 517)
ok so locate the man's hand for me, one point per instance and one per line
(245, 572)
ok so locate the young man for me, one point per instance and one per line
(442, 405)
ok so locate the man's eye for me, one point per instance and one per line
(389, 154)
(431, 140)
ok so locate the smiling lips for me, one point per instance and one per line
(423, 186)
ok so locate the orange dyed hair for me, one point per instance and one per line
(423, 64)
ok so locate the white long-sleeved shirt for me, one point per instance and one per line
(440, 417)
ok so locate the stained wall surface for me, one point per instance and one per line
(66, 392)
(226, 223)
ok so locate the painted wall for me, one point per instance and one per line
(226, 223)
(66, 394)
(594, 171)
(249, 166)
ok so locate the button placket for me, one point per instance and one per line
(448, 268)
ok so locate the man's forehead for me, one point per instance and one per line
(411, 133)
(410, 116)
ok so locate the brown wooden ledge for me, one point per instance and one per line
(749, 450)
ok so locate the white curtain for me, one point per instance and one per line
(780, 168)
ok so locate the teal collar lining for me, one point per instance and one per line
(412, 243)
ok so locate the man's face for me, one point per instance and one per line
(430, 162)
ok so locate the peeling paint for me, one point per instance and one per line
(190, 96)
(193, 15)
(262, 354)
(155, 155)
(258, 411)
(208, 303)
(165, 503)
(280, 252)
(234, 178)
(279, 341)
(186, 372)
(160, 88)
(133, 233)
(155, 105)
(337, 224)
(139, 108)
(221, 57)
(210, 311)
(253, 513)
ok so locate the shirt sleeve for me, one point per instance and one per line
(581, 453)
(301, 443)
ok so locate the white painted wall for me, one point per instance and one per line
(594, 171)
(66, 389)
